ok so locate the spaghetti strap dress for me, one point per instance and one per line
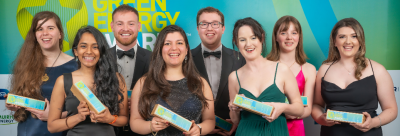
(359, 96)
(255, 125)
(296, 126)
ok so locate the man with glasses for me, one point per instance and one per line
(214, 61)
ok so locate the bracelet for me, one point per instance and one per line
(380, 122)
(115, 119)
(152, 130)
(66, 122)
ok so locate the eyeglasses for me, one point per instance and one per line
(214, 25)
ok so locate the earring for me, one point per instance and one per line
(185, 59)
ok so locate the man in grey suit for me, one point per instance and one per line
(214, 61)
(132, 59)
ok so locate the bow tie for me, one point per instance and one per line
(130, 53)
(216, 54)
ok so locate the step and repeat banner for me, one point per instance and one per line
(379, 18)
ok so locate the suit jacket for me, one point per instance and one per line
(143, 57)
(230, 63)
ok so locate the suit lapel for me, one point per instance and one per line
(139, 65)
(199, 62)
(113, 52)
(226, 68)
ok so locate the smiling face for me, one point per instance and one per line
(346, 42)
(288, 39)
(210, 37)
(48, 35)
(249, 45)
(125, 26)
(87, 50)
(174, 49)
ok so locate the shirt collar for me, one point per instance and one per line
(204, 48)
(134, 47)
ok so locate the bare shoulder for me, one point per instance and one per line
(60, 80)
(324, 67)
(204, 81)
(309, 68)
(378, 68)
(281, 66)
(232, 76)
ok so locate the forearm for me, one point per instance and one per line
(207, 126)
(387, 116)
(316, 112)
(140, 126)
(294, 109)
(121, 121)
(59, 125)
(235, 117)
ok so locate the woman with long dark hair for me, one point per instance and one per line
(348, 81)
(287, 48)
(261, 80)
(173, 82)
(38, 64)
(98, 73)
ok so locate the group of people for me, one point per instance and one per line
(197, 84)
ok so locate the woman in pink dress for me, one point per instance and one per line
(287, 48)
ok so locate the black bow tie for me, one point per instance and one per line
(216, 54)
(130, 53)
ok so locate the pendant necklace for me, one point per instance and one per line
(45, 77)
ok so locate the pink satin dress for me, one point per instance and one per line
(296, 126)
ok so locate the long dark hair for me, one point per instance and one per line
(29, 67)
(257, 30)
(105, 78)
(155, 83)
(283, 24)
(359, 58)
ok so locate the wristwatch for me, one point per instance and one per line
(199, 127)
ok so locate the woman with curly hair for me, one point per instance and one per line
(97, 71)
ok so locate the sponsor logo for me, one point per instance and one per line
(3, 93)
(7, 120)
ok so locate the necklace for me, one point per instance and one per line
(346, 69)
(290, 65)
(45, 77)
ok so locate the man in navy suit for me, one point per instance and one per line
(214, 61)
(132, 59)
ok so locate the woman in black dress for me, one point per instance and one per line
(173, 82)
(97, 72)
(348, 81)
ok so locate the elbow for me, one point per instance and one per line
(50, 128)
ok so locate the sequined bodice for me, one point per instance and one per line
(181, 101)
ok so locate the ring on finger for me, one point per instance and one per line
(156, 122)
(96, 121)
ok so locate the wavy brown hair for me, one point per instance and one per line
(156, 85)
(334, 54)
(29, 67)
(283, 24)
